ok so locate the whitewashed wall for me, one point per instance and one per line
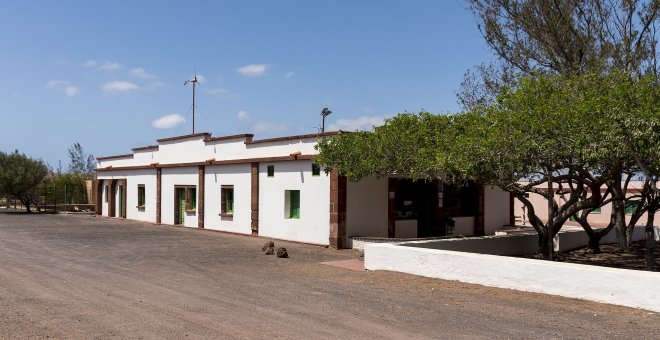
(496, 209)
(313, 225)
(366, 207)
(238, 176)
(177, 176)
(104, 204)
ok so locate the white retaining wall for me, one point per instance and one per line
(514, 245)
(624, 287)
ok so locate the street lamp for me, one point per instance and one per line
(324, 113)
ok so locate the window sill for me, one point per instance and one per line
(140, 206)
(191, 211)
(226, 214)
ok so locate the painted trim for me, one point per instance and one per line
(200, 197)
(169, 139)
(214, 162)
(159, 185)
(298, 137)
(105, 158)
(254, 197)
(148, 147)
(337, 210)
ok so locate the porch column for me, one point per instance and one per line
(479, 228)
(124, 198)
(254, 197)
(200, 198)
(158, 193)
(512, 216)
(392, 183)
(337, 210)
(111, 198)
(98, 194)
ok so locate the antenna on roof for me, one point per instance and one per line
(194, 82)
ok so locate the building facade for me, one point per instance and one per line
(272, 188)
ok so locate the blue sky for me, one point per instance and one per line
(105, 74)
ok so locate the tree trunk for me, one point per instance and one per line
(594, 241)
(650, 241)
(619, 212)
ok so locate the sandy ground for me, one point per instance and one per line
(90, 277)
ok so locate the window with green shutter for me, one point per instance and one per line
(141, 195)
(631, 206)
(107, 193)
(270, 170)
(316, 169)
(292, 204)
(227, 200)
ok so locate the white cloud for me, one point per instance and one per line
(90, 63)
(139, 72)
(242, 115)
(216, 91)
(56, 83)
(253, 70)
(359, 123)
(288, 75)
(119, 86)
(71, 90)
(103, 65)
(64, 86)
(270, 127)
(168, 121)
(110, 65)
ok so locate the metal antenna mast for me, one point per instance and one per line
(194, 84)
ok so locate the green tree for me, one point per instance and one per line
(80, 162)
(20, 175)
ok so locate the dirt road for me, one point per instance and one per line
(89, 277)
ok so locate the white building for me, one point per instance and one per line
(272, 188)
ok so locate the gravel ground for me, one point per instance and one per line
(91, 277)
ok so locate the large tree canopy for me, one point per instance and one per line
(565, 130)
(20, 175)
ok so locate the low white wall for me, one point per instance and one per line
(515, 245)
(464, 225)
(631, 288)
(405, 228)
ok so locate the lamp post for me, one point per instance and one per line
(325, 112)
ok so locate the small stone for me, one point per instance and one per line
(270, 251)
(281, 252)
(269, 244)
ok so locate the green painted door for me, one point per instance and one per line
(181, 193)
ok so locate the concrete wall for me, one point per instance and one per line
(601, 284)
(602, 218)
(496, 212)
(239, 176)
(313, 224)
(515, 245)
(404, 228)
(366, 208)
(177, 176)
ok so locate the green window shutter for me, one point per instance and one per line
(631, 206)
(316, 169)
(193, 198)
(271, 170)
(107, 189)
(294, 200)
(223, 200)
(230, 200)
